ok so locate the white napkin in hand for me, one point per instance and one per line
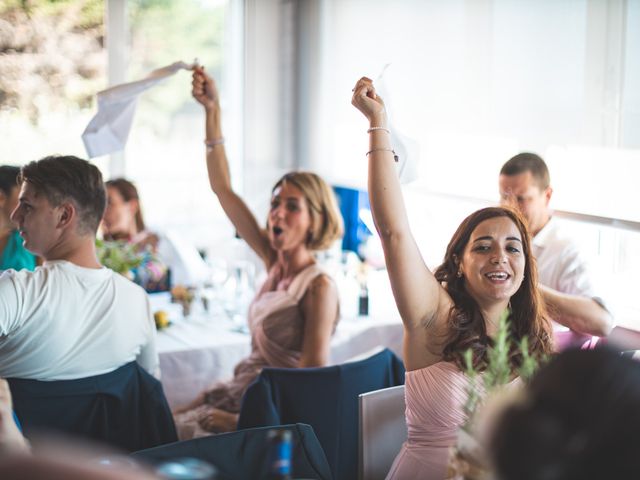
(407, 149)
(108, 130)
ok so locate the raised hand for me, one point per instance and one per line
(369, 103)
(204, 90)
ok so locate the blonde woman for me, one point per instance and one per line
(295, 312)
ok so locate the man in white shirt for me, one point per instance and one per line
(70, 318)
(564, 279)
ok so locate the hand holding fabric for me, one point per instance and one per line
(204, 90)
(369, 103)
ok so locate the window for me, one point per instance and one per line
(56, 55)
(473, 83)
(53, 61)
(165, 154)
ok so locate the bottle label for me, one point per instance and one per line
(282, 462)
(363, 306)
(280, 455)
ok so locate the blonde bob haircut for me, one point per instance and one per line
(326, 220)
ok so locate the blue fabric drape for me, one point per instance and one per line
(125, 408)
(325, 398)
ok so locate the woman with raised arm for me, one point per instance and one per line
(488, 269)
(295, 312)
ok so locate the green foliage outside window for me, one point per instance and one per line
(53, 55)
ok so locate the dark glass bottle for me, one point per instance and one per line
(279, 455)
(363, 300)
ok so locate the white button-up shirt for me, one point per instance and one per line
(563, 268)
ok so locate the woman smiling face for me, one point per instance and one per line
(493, 261)
(289, 221)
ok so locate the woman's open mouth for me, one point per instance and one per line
(498, 276)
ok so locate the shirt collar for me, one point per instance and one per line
(540, 240)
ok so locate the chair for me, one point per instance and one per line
(325, 398)
(125, 408)
(383, 429)
(245, 454)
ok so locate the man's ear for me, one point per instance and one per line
(67, 214)
(547, 193)
(3, 199)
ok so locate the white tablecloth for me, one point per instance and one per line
(198, 351)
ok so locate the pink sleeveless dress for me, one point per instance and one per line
(435, 397)
(277, 329)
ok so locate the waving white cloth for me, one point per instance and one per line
(108, 130)
(407, 149)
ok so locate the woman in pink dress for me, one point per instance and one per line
(295, 312)
(488, 268)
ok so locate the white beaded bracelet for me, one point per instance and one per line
(373, 129)
(395, 155)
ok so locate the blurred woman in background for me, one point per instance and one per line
(12, 253)
(123, 222)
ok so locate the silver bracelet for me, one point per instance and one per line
(395, 156)
(384, 129)
(214, 142)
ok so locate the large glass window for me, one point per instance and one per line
(473, 83)
(52, 62)
(165, 153)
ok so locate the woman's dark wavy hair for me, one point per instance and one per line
(466, 326)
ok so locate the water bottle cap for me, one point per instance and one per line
(186, 469)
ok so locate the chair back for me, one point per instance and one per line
(125, 408)
(383, 429)
(325, 398)
(245, 454)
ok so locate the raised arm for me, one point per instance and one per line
(205, 92)
(422, 302)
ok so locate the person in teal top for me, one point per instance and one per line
(12, 253)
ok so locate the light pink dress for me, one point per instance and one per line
(277, 329)
(435, 397)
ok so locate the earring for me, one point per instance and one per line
(459, 274)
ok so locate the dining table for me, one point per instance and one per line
(202, 348)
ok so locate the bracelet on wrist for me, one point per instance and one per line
(395, 155)
(373, 129)
(212, 143)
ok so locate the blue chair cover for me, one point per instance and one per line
(125, 408)
(350, 202)
(325, 398)
(245, 454)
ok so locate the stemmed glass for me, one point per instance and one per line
(238, 291)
